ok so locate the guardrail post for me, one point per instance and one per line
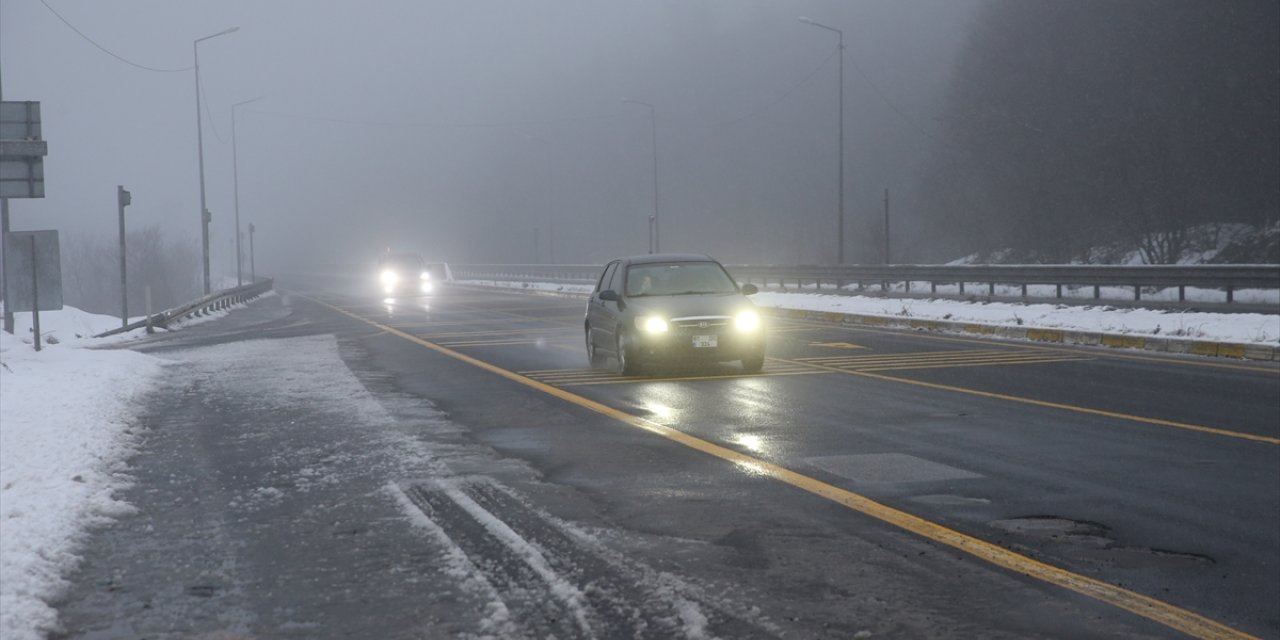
(991, 289)
(933, 287)
(961, 287)
(1024, 290)
(1137, 292)
(1182, 293)
(1097, 292)
(1231, 293)
(1059, 291)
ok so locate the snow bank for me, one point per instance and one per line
(65, 418)
(1247, 328)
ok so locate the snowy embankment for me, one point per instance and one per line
(1242, 328)
(65, 432)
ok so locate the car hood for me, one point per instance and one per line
(726, 304)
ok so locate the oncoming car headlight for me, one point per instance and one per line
(388, 277)
(425, 275)
(651, 324)
(747, 321)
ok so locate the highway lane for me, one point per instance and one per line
(1159, 474)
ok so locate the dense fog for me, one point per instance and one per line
(479, 132)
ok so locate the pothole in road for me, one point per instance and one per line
(1057, 529)
(1099, 546)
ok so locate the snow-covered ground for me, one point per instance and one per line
(66, 417)
(1246, 328)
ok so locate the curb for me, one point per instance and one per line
(1235, 350)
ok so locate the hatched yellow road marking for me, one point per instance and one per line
(1053, 405)
(1147, 607)
(1100, 353)
(836, 345)
(589, 377)
(941, 359)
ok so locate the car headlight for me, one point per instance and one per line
(651, 324)
(388, 277)
(747, 321)
(426, 275)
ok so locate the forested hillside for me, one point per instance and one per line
(1073, 125)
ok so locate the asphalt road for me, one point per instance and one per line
(867, 484)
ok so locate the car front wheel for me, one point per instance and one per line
(753, 363)
(593, 356)
(626, 366)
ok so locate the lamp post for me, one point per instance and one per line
(840, 169)
(551, 216)
(253, 272)
(204, 210)
(654, 243)
(235, 182)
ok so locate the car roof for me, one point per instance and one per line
(668, 257)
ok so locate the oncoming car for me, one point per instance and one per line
(671, 308)
(404, 273)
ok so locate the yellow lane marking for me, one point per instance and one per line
(1101, 352)
(837, 345)
(494, 343)
(1156, 610)
(585, 380)
(591, 383)
(497, 332)
(953, 365)
(1054, 405)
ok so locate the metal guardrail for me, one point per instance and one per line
(1228, 278)
(201, 306)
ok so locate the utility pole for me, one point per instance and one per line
(4, 231)
(253, 273)
(840, 161)
(205, 216)
(123, 199)
(655, 245)
(886, 226)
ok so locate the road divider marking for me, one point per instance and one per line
(589, 377)
(836, 345)
(869, 373)
(1174, 617)
(1101, 354)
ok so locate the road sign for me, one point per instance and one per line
(33, 269)
(21, 151)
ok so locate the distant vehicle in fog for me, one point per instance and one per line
(671, 308)
(404, 273)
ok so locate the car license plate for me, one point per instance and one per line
(704, 341)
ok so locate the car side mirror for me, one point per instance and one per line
(749, 290)
(609, 295)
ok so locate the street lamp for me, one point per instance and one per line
(253, 271)
(840, 170)
(204, 210)
(654, 244)
(235, 182)
(551, 216)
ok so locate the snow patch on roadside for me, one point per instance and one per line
(1225, 327)
(66, 430)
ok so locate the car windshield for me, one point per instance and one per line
(678, 278)
(405, 263)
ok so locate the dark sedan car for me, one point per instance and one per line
(671, 308)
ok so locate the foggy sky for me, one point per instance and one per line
(469, 130)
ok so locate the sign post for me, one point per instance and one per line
(21, 169)
(33, 274)
(123, 199)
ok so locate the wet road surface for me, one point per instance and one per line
(867, 483)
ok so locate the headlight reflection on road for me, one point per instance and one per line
(751, 442)
(660, 410)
